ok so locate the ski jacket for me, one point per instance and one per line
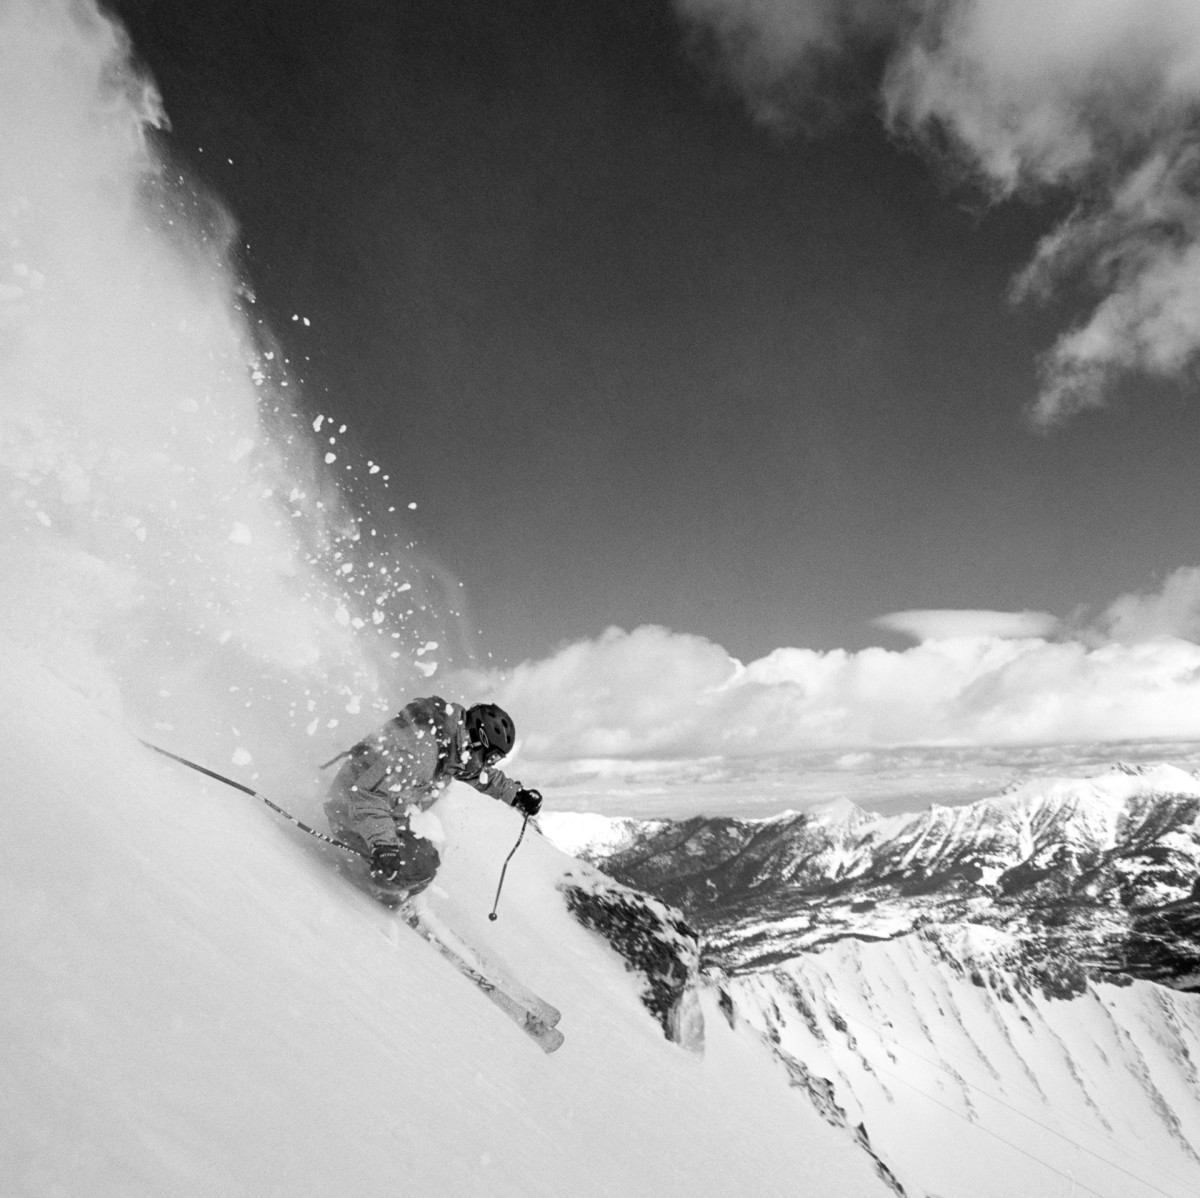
(407, 764)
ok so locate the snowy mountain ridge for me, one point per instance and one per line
(589, 835)
(1111, 862)
(1015, 975)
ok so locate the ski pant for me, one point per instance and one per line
(420, 859)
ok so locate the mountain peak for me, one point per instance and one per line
(1105, 860)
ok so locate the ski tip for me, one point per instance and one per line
(550, 1038)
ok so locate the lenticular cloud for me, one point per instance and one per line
(170, 547)
(949, 624)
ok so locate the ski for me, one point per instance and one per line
(533, 1015)
(436, 928)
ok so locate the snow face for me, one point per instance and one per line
(968, 1088)
(194, 1001)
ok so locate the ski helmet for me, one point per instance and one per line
(491, 728)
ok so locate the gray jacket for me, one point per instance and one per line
(406, 764)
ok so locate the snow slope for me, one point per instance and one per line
(1020, 1092)
(1001, 995)
(195, 1002)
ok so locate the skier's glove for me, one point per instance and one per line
(386, 863)
(528, 802)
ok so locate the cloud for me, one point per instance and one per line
(1171, 611)
(945, 625)
(1093, 100)
(623, 694)
(777, 51)
(655, 695)
(654, 722)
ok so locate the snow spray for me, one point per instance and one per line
(175, 548)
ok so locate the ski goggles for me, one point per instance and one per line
(491, 755)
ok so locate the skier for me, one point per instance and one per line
(403, 768)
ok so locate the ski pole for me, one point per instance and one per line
(504, 868)
(200, 769)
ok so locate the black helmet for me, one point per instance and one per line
(491, 728)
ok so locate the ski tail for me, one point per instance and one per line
(422, 919)
(533, 1015)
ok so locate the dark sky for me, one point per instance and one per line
(637, 358)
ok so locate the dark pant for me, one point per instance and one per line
(421, 861)
(420, 858)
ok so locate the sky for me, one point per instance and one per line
(656, 333)
(739, 393)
